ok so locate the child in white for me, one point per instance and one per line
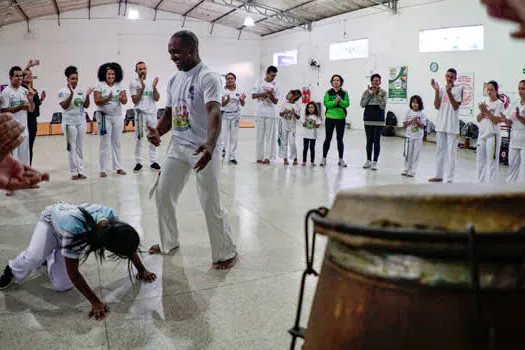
(290, 112)
(415, 122)
(489, 139)
(232, 101)
(517, 138)
(73, 100)
(312, 122)
(144, 94)
(266, 93)
(109, 97)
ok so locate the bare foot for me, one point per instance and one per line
(82, 176)
(286, 162)
(295, 162)
(313, 164)
(227, 264)
(34, 187)
(74, 177)
(103, 174)
(10, 193)
(266, 161)
(155, 250)
(121, 172)
(259, 161)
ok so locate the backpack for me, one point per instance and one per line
(430, 128)
(389, 131)
(391, 119)
(473, 130)
(463, 128)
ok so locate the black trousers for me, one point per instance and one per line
(32, 127)
(373, 141)
(309, 143)
(339, 126)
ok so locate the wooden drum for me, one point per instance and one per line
(421, 267)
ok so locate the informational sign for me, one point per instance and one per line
(397, 85)
(285, 58)
(467, 80)
(349, 50)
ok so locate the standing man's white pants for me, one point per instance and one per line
(266, 138)
(516, 165)
(487, 158)
(44, 246)
(287, 140)
(110, 143)
(75, 139)
(412, 151)
(142, 121)
(447, 152)
(174, 175)
(21, 153)
(229, 131)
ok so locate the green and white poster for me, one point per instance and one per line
(397, 85)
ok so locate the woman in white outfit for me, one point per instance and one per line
(517, 138)
(489, 139)
(73, 100)
(109, 97)
(232, 101)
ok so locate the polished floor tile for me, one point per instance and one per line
(190, 306)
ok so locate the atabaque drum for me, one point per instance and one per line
(422, 267)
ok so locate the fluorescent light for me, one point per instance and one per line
(133, 14)
(249, 22)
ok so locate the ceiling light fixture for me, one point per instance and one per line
(249, 22)
(133, 14)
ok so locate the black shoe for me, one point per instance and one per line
(233, 161)
(223, 154)
(7, 278)
(155, 166)
(137, 168)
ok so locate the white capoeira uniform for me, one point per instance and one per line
(489, 144)
(266, 122)
(287, 130)
(187, 96)
(12, 97)
(517, 144)
(110, 123)
(447, 130)
(145, 115)
(74, 128)
(51, 239)
(231, 117)
(413, 141)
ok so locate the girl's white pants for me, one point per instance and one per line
(110, 142)
(286, 141)
(75, 139)
(412, 151)
(487, 158)
(44, 246)
(516, 165)
(229, 131)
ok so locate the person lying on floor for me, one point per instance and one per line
(68, 233)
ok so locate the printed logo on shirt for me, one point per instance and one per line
(267, 100)
(288, 115)
(191, 92)
(310, 124)
(77, 102)
(181, 117)
(147, 93)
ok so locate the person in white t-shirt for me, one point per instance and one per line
(144, 94)
(489, 138)
(415, 122)
(192, 112)
(516, 114)
(73, 101)
(266, 92)
(447, 101)
(290, 112)
(18, 100)
(312, 122)
(109, 97)
(232, 101)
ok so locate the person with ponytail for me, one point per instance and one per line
(67, 234)
(489, 139)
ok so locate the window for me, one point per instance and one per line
(451, 39)
(285, 58)
(349, 50)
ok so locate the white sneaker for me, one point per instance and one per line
(342, 163)
(373, 166)
(367, 164)
(323, 162)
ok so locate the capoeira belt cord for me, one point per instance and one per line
(495, 148)
(139, 123)
(68, 146)
(405, 147)
(103, 130)
(280, 133)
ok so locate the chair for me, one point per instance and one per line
(130, 117)
(160, 113)
(55, 119)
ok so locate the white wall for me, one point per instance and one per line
(107, 37)
(393, 41)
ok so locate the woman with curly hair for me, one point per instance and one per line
(109, 97)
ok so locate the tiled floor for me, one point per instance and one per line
(190, 306)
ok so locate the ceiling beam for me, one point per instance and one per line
(22, 12)
(57, 10)
(391, 5)
(193, 8)
(156, 8)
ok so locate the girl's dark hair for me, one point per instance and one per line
(119, 74)
(375, 76)
(297, 94)
(419, 101)
(340, 78)
(233, 75)
(522, 82)
(316, 110)
(70, 70)
(496, 87)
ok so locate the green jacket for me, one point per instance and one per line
(336, 110)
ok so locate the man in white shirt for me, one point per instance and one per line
(145, 96)
(193, 114)
(447, 101)
(266, 93)
(18, 100)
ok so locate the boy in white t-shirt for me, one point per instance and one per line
(18, 100)
(415, 122)
(266, 93)
(447, 101)
(232, 101)
(144, 94)
(516, 112)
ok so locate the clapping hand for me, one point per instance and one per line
(338, 99)
(153, 136)
(242, 98)
(43, 96)
(434, 84)
(482, 107)
(89, 91)
(155, 82)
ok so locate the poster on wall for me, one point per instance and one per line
(397, 85)
(467, 106)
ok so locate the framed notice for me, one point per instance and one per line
(398, 84)
(467, 106)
